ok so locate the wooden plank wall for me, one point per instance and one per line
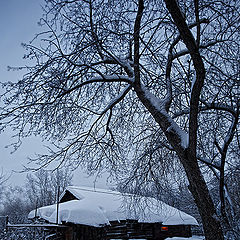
(127, 229)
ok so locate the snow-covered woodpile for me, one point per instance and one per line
(92, 214)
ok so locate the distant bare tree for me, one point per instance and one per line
(121, 82)
(15, 204)
(42, 186)
(3, 180)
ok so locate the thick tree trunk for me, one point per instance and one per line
(197, 186)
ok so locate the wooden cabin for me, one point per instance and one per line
(97, 214)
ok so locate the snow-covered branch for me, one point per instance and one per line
(158, 107)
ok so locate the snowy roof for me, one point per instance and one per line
(95, 207)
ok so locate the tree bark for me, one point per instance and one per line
(203, 200)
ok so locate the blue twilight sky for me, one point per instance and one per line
(18, 24)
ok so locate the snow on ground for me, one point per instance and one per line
(191, 238)
(176, 238)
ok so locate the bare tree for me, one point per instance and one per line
(15, 204)
(3, 179)
(116, 81)
(43, 186)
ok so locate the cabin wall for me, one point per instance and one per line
(173, 231)
(83, 232)
(129, 229)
